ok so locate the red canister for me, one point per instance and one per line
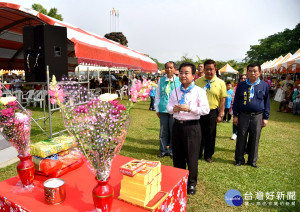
(54, 191)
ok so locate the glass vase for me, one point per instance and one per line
(103, 195)
(25, 170)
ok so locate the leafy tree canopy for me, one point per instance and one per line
(117, 37)
(273, 46)
(239, 66)
(52, 12)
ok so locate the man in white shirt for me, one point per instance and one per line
(187, 103)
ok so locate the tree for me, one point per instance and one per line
(52, 12)
(160, 66)
(117, 37)
(273, 46)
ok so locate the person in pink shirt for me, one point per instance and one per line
(187, 103)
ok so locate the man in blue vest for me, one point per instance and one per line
(164, 89)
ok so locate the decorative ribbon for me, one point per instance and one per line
(185, 91)
(207, 86)
(168, 87)
(252, 86)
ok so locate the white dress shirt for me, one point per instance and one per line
(196, 100)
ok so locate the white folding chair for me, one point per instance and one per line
(39, 97)
(18, 94)
(28, 97)
(122, 92)
(98, 92)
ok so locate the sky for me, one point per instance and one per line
(169, 29)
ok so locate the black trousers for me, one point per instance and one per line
(209, 131)
(248, 127)
(227, 114)
(186, 145)
(152, 103)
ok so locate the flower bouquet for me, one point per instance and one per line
(141, 90)
(99, 127)
(15, 127)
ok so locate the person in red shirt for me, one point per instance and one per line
(200, 71)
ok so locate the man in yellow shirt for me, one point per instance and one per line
(216, 95)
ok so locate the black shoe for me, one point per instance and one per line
(239, 163)
(191, 190)
(161, 155)
(171, 155)
(253, 165)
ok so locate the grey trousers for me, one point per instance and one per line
(248, 126)
(165, 134)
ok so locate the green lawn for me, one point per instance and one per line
(278, 159)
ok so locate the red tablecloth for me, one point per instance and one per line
(79, 186)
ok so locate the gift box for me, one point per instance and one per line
(66, 161)
(141, 188)
(49, 147)
(155, 166)
(143, 177)
(133, 167)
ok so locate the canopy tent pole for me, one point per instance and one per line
(88, 78)
(49, 105)
(109, 80)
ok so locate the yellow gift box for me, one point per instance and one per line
(143, 177)
(155, 166)
(136, 191)
(49, 147)
(133, 200)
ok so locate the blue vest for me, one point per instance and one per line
(164, 97)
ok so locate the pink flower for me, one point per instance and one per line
(13, 105)
(134, 99)
(114, 102)
(61, 95)
(56, 94)
(121, 107)
(115, 112)
(52, 101)
(81, 109)
(21, 118)
(94, 101)
(7, 112)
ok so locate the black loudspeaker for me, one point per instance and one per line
(45, 45)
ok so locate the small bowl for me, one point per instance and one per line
(54, 190)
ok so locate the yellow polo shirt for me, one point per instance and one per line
(217, 90)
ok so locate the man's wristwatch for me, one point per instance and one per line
(220, 116)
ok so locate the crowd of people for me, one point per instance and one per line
(287, 94)
(190, 106)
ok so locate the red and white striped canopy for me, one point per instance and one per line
(83, 47)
